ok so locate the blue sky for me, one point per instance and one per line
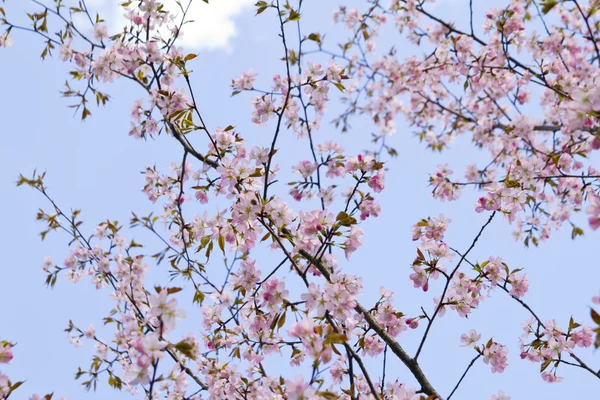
(94, 165)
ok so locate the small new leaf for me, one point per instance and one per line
(548, 5)
(294, 16)
(186, 348)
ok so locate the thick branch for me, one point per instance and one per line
(410, 363)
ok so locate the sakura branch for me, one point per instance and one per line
(448, 280)
(550, 341)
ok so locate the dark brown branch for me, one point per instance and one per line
(463, 376)
(409, 362)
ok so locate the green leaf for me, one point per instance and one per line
(294, 16)
(315, 37)
(281, 321)
(261, 7)
(509, 183)
(489, 343)
(545, 365)
(209, 249)
(204, 241)
(274, 322)
(115, 382)
(573, 324)
(342, 215)
(339, 338)
(199, 297)
(548, 5)
(222, 243)
(345, 220)
(339, 86)
(186, 348)
(576, 232)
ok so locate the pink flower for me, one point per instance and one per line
(4, 386)
(419, 277)
(136, 374)
(137, 19)
(302, 329)
(470, 339)
(499, 396)
(376, 184)
(495, 355)
(165, 309)
(369, 208)
(5, 41)
(89, 332)
(6, 353)
(100, 31)
(264, 109)
(489, 203)
(550, 377)
(47, 264)
(520, 285)
(353, 242)
(244, 81)
(65, 52)
(583, 337)
(412, 323)
(153, 346)
(201, 196)
(298, 390)
(274, 292)
(373, 346)
(594, 211)
(305, 168)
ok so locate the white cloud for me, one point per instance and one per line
(213, 26)
(212, 29)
